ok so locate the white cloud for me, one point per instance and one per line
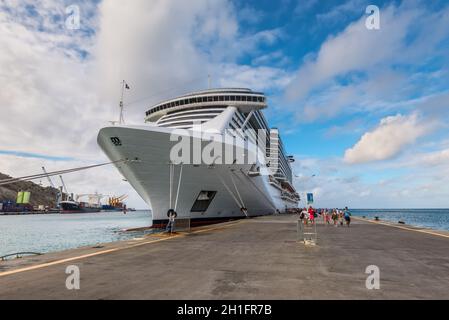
(356, 48)
(59, 86)
(257, 78)
(365, 187)
(428, 161)
(437, 158)
(373, 69)
(342, 11)
(387, 140)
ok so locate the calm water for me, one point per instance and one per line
(56, 232)
(428, 218)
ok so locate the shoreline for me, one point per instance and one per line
(229, 261)
(405, 226)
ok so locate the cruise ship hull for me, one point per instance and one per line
(148, 171)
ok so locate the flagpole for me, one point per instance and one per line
(121, 119)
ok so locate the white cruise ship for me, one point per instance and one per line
(208, 155)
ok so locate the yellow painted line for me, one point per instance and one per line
(405, 228)
(53, 263)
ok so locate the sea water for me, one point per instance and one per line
(437, 219)
(57, 232)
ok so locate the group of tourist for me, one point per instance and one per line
(329, 216)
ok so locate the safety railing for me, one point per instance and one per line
(19, 255)
(307, 232)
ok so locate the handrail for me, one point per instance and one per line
(20, 254)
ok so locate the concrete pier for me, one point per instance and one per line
(249, 259)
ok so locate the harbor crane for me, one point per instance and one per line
(65, 188)
(59, 193)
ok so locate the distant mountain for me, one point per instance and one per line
(39, 195)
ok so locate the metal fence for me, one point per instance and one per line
(182, 224)
(307, 233)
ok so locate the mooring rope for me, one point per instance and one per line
(179, 186)
(171, 168)
(257, 188)
(55, 173)
(229, 190)
(237, 190)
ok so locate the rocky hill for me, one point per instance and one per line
(39, 195)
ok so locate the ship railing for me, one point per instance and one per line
(19, 255)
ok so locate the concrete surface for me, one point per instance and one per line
(250, 259)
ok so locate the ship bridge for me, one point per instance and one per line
(203, 106)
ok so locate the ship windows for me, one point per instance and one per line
(226, 98)
(232, 98)
(239, 98)
(215, 98)
(221, 98)
(203, 201)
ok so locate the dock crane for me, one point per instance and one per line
(59, 193)
(117, 201)
(65, 188)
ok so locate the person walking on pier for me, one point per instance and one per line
(171, 220)
(335, 217)
(324, 215)
(302, 216)
(347, 215)
(312, 214)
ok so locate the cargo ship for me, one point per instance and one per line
(78, 207)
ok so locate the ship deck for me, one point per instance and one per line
(249, 259)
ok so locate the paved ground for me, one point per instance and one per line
(250, 259)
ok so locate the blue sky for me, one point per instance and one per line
(366, 111)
